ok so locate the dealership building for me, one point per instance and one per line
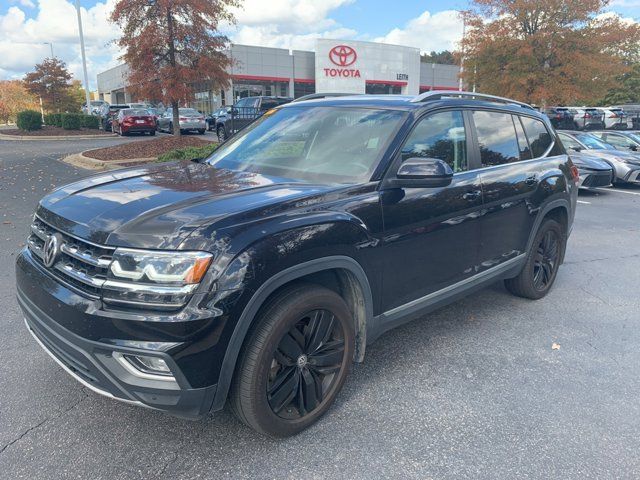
(335, 66)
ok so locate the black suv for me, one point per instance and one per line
(259, 274)
(248, 109)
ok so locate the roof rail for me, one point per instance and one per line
(318, 96)
(438, 94)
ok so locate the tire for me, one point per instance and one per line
(274, 359)
(222, 133)
(541, 268)
(170, 130)
(201, 132)
(152, 133)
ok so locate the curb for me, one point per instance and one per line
(79, 160)
(57, 137)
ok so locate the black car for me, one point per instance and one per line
(245, 111)
(212, 118)
(108, 112)
(561, 117)
(259, 274)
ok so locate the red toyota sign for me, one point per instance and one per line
(342, 55)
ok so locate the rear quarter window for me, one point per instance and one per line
(539, 137)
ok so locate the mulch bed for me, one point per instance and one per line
(145, 148)
(47, 131)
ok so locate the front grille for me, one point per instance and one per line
(80, 264)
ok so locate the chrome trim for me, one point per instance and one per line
(455, 286)
(83, 257)
(79, 276)
(119, 357)
(35, 248)
(437, 94)
(41, 234)
(80, 379)
(146, 288)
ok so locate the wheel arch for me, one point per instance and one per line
(354, 288)
(556, 209)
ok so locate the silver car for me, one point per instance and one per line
(626, 165)
(190, 120)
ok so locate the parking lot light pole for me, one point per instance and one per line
(84, 58)
(51, 46)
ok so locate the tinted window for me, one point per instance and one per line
(441, 136)
(523, 146)
(569, 142)
(496, 137)
(539, 137)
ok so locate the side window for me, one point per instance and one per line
(523, 145)
(497, 138)
(617, 141)
(539, 137)
(440, 135)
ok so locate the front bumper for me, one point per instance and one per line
(594, 178)
(51, 311)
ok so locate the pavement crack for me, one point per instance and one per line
(35, 427)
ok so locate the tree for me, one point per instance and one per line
(15, 98)
(547, 51)
(169, 44)
(627, 89)
(444, 57)
(50, 81)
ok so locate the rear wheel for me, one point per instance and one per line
(152, 133)
(539, 273)
(201, 132)
(294, 362)
(222, 134)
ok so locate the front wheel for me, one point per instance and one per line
(201, 131)
(294, 362)
(540, 271)
(222, 134)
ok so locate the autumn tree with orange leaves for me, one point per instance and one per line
(170, 44)
(547, 52)
(14, 98)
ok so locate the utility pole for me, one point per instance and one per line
(84, 58)
(51, 46)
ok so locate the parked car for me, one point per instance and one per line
(585, 118)
(95, 107)
(633, 114)
(108, 112)
(625, 141)
(190, 120)
(212, 118)
(615, 118)
(133, 120)
(594, 172)
(560, 117)
(155, 112)
(626, 165)
(244, 112)
(259, 274)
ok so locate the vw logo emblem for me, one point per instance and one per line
(51, 249)
(342, 55)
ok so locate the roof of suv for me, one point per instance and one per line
(411, 102)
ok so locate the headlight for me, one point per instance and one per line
(154, 279)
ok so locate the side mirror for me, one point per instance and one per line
(633, 147)
(419, 172)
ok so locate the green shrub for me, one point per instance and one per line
(188, 153)
(71, 121)
(29, 120)
(90, 121)
(49, 119)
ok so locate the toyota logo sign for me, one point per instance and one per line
(342, 55)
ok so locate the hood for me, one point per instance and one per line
(158, 206)
(617, 156)
(589, 160)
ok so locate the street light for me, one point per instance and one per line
(50, 45)
(84, 58)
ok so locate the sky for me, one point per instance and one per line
(25, 26)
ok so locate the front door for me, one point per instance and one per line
(431, 235)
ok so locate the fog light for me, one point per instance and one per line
(143, 366)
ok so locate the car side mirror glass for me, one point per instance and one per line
(423, 172)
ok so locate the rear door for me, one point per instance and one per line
(431, 234)
(510, 176)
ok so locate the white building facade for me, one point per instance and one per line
(335, 66)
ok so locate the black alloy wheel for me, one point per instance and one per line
(294, 362)
(304, 365)
(546, 260)
(222, 134)
(543, 260)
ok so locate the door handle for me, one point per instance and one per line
(532, 180)
(471, 196)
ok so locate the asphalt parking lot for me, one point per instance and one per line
(475, 390)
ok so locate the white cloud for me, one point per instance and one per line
(269, 36)
(439, 31)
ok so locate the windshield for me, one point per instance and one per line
(313, 144)
(633, 136)
(593, 143)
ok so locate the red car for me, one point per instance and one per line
(134, 120)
